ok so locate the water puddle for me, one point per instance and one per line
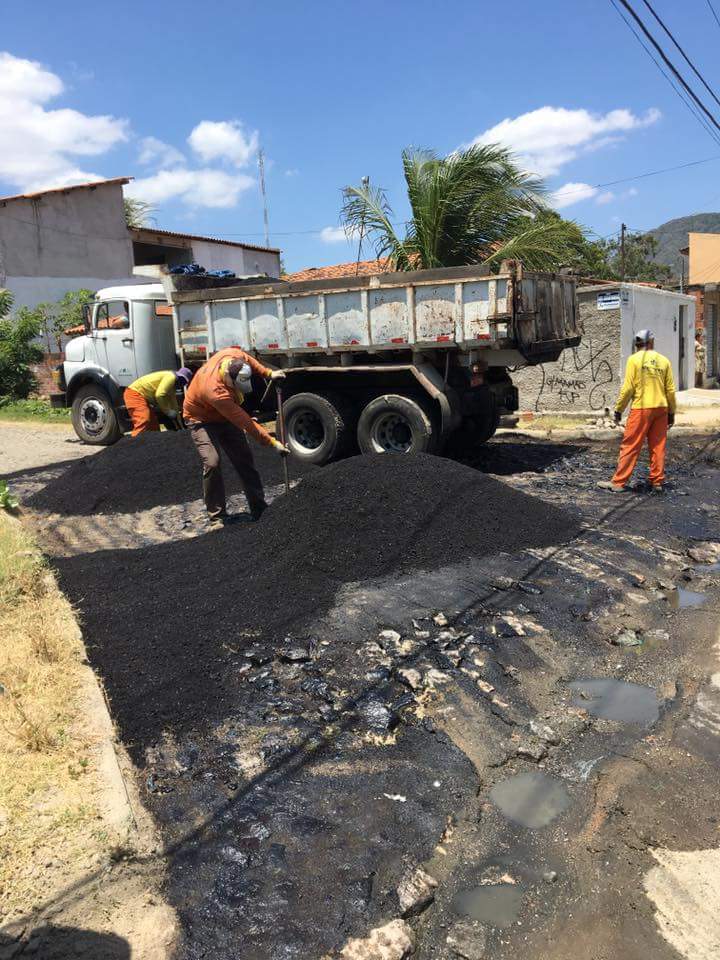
(682, 599)
(531, 800)
(616, 700)
(496, 904)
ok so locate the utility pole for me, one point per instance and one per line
(623, 228)
(261, 166)
(365, 181)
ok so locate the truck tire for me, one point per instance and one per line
(94, 417)
(318, 427)
(396, 424)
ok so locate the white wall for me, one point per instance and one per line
(643, 307)
(29, 291)
(242, 260)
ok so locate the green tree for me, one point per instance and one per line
(137, 212)
(640, 251)
(475, 205)
(18, 350)
(57, 317)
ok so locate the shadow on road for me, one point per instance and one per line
(66, 943)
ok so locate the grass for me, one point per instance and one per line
(36, 410)
(48, 818)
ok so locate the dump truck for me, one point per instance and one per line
(392, 363)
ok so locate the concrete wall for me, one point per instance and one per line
(587, 378)
(704, 258)
(644, 307)
(81, 233)
(243, 260)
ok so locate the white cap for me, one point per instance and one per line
(644, 336)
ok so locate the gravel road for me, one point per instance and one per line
(28, 446)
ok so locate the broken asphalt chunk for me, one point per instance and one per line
(391, 941)
(416, 891)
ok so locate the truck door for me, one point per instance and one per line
(112, 332)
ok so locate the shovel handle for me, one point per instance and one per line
(281, 431)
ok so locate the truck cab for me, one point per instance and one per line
(128, 333)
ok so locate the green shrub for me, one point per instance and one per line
(18, 349)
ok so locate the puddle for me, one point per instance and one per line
(530, 799)
(496, 904)
(616, 700)
(682, 599)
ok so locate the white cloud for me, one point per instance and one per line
(41, 147)
(158, 153)
(336, 235)
(292, 172)
(224, 140)
(548, 138)
(607, 197)
(196, 188)
(571, 193)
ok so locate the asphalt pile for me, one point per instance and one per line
(165, 624)
(135, 474)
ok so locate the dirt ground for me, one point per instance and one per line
(432, 724)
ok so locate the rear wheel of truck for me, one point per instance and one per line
(318, 427)
(396, 424)
(94, 417)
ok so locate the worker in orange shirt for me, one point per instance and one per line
(649, 385)
(217, 421)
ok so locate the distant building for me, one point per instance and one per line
(703, 283)
(76, 236)
(587, 378)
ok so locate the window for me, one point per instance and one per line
(112, 315)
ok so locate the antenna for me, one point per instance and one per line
(261, 166)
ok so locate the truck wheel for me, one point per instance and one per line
(94, 417)
(472, 433)
(319, 427)
(395, 424)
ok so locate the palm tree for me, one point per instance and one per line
(474, 206)
(137, 212)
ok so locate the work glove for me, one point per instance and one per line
(278, 375)
(618, 416)
(280, 447)
(671, 420)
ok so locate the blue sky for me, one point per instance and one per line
(179, 95)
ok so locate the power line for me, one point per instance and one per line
(669, 64)
(688, 103)
(687, 59)
(712, 9)
(639, 176)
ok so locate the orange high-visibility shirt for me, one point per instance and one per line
(208, 400)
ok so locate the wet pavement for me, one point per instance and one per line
(480, 720)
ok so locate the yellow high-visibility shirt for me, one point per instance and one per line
(158, 388)
(648, 382)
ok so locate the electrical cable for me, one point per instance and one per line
(687, 59)
(688, 103)
(712, 9)
(669, 64)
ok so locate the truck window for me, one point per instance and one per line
(112, 315)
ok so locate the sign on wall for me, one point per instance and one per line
(608, 300)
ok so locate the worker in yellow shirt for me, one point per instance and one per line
(153, 393)
(649, 384)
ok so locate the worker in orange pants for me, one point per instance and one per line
(152, 393)
(649, 384)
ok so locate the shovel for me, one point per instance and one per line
(281, 431)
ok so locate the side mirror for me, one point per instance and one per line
(87, 317)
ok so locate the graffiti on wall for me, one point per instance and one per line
(581, 377)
